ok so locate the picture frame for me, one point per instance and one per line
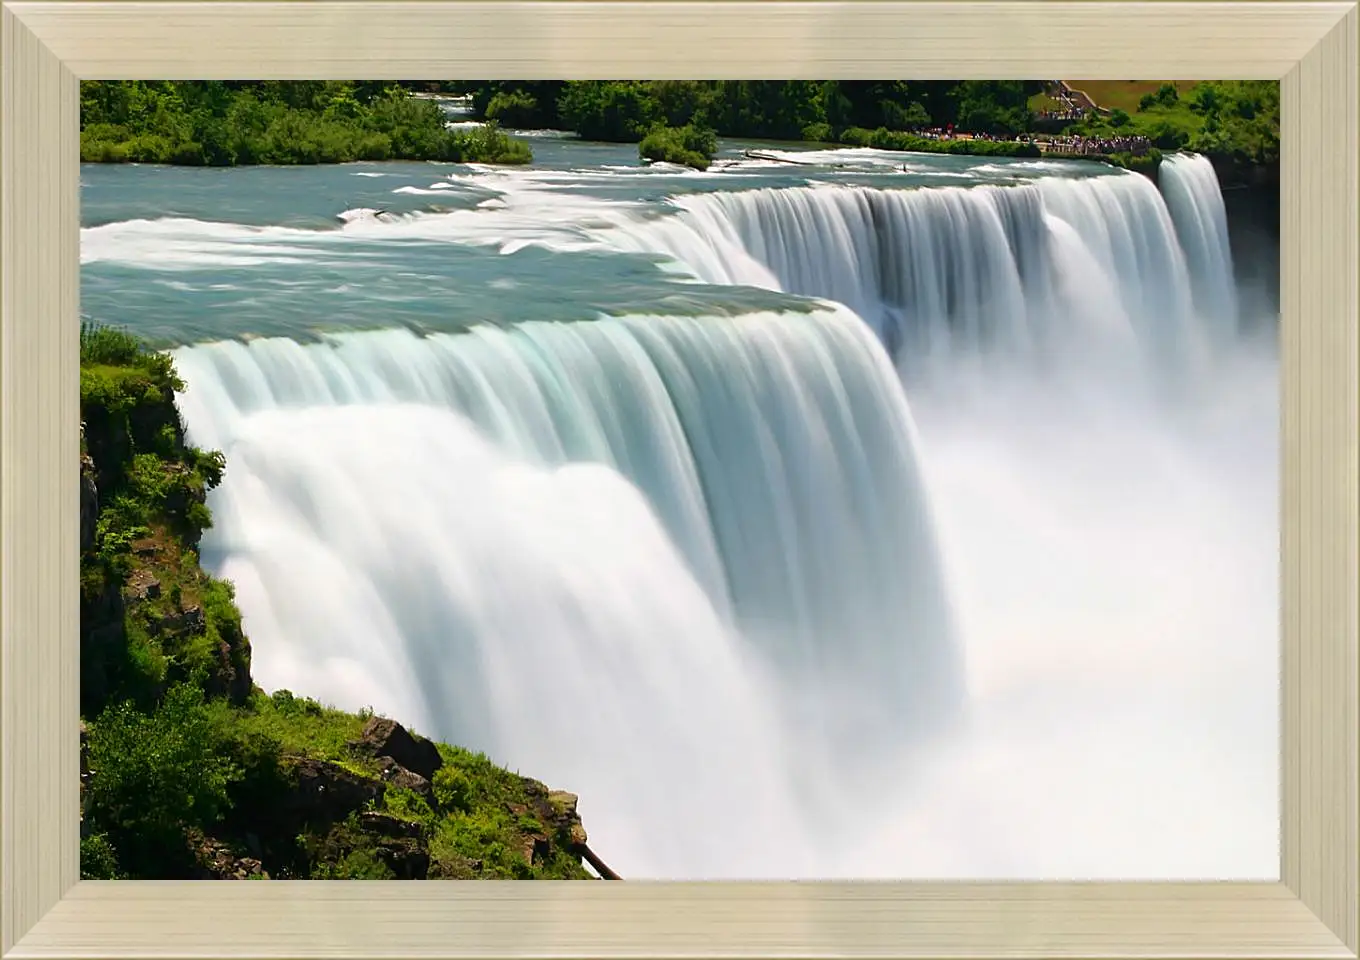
(47, 47)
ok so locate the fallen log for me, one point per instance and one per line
(758, 155)
(600, 866)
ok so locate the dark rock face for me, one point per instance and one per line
(387, 738)
(217, 861)
(401, 844)
(399, 776)
(188, 621)
(89, 504)
(384, 824)
(1251, 200)
(1254, 236)
(407, 859)
(556, 811)
(326, 791)
(85, 774)
(567, 817)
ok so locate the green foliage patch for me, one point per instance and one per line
(1237, 121)
(226, 123)
(689, 146)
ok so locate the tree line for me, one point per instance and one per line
(226, 123)
(275, 122)
(625, 111)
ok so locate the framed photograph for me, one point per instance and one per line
(807, 517)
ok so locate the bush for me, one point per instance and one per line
(98, 859)
(689, 145)
(513, 108)
(153, 775)
(818, 133)
(107, 345)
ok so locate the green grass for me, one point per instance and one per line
(1124, 94)
(1042, 101)
(300, 726)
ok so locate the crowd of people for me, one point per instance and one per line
(1083, 145)
(1068, 113)
(1088, 146)
(1067, 108)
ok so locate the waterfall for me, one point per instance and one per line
(1196, 204)
(921, 579)
(1050, 275)
(684, 565)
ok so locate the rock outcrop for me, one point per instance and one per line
(387, 738)
(89, 503)
(326, 792)
(216, 860)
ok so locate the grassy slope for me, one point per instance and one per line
(1124, 94)
(195, 772)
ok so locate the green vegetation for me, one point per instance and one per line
(625, 111)
(189, 770)
(1236, 123)
(1232, 122)
(885, 139)
(1125, 94)
(224, 123)
(688, 145)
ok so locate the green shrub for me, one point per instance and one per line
(98, 859)
(153, 775)
(688, 145)
(108, 345)
(818, 133)
(514, 108)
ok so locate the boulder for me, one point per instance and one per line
(408, 859)
(387, 825)
(397, 775)
(387, 738)
(189, 621)
(215, 860)
(326, 791)
(400, 844)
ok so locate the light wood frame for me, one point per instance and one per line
(45, 47)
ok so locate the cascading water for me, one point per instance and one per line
(441, 486)
(699, 562)
(1191, 189)
(1056, 273)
